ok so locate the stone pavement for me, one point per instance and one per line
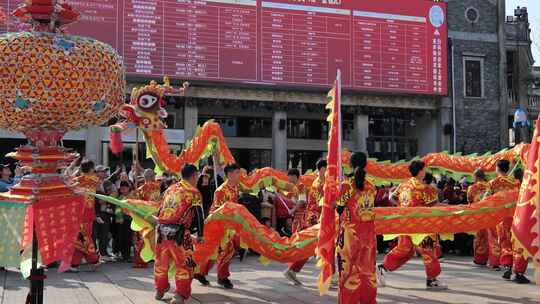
(257, 284)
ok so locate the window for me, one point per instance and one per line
(474, 77)
(170, 121)
(254, 127)
(472, 15)
(303, 160)
(307, 129)
(348, 129)
(251, 159)
(228, 125)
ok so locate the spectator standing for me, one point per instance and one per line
(6, 182)
(104, 224)
(206, 188)
(123, 223)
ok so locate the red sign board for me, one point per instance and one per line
(382, 45)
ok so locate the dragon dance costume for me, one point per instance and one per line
(297, 194)
(311, 216)
(182, 202)
(149, 191)
(84, 245)
(226, 193)
(356, 244)
(500, 238)
(414, 193)
(476, 193)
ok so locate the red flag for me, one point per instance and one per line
(526, 224)
(327, 232)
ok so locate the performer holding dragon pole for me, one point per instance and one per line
(84, 245)
(476, 193)
(414, 193)
(356, 243)
(297, 194)
(149, 191)
(181, 204)
(501, 239)
(311, 217)
(226, 193)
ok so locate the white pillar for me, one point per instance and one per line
(445, 141)
(93, 144)
(427, 133)
(361, 132)
(191, 118)
(279, 140)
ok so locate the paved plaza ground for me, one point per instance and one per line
(257, 284)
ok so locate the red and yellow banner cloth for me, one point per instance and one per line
(327, 233)
(526, 223)
(55, 220)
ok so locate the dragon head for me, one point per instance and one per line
(150, 99)
(145, 110)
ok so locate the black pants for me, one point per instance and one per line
(280, 223)
(103, 231)
(125, 238)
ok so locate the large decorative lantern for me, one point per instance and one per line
(51, 83)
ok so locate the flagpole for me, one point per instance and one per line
(338, 94)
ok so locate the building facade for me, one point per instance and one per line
(489, 67)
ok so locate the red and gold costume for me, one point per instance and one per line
(313, 207)
(414, 193)
(149, 191)
(84, 245)
(476, 193)
(226, 193)
(500, 238)
(295, 195)
(356, 245)
(174, 245)
(311, 215)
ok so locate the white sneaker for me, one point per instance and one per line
(291, 276)
(73, 270)
(381, 280)
(435, 285)
(177, 300)
(107, 259)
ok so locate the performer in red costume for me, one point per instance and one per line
(299, 196)
(501, 242)
(182, 203)
(356, 243)
(84, 245)
(149, 191)
(226, 193)
(414, 193)
(476, 193)
(311, 217)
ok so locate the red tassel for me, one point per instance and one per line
(116, 142)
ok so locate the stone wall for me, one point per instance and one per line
(477, 119)
(487, 21)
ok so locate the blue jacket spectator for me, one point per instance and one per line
(6, 182)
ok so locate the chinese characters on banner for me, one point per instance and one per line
(382, 45)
